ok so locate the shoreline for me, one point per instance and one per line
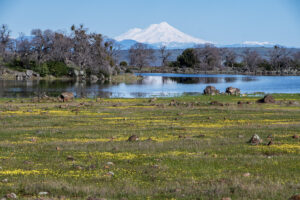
(197, 71)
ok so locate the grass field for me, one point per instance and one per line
(187, 148)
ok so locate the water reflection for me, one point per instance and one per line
(153, 85)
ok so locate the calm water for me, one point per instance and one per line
(161, 85)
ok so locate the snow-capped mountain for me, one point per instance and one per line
(161, 34)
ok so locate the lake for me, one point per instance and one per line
(153, 85)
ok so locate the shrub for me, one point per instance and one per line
(187, 58)
(58, 69)
(123, 64)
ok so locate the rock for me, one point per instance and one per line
(293, 103)
(70, 158)
(210, 90)
(66, 96)
(95, 198)
(5, 180)
(110, 173)
(110, 163)
(267, 99)
(29, 73)
(246, 174)
(133, 138)
(101, 77)
(295, 136)
(43, 193)
(94, 78)
(78, 167)
(58, 148)
(152, 100)
(11, 196)
(216, 103)
(295, 197)
(226, 198)
(233, 91)
(255, 140)
(156, 166)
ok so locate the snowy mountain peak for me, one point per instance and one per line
(162, 33)
(257, 43)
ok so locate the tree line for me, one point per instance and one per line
(209, 58)
(56, 53)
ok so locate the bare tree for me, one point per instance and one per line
(23, 48)
(81, 46)
(113, 50)
(141, 55)
(229, 57)
(61, 48)
(4, 38)
(164, 55)
(208, 56)
(251, 59)
(280, 58)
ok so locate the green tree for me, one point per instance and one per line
(187, 58)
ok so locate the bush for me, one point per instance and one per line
(187, 58)
(265, 65)
(123, 64)
(42, 70)
(58, 69)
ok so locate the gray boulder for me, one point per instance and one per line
(211, 90)
(232, 91)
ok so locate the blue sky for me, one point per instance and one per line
(220, 21)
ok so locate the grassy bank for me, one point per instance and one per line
(187, 148)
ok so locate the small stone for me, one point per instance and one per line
(110, 173)
(155, 166)
(78, 167)
(246, 174)
(58, 148)
(0, 168)
(26, 162)
(70, 158)
(43, 193)
(110, 163)
(295, 197)
(5, 180)
(11, 196)
(295, 136)
(240, 136)
(226, 198)
(133, 138)
(255, 140)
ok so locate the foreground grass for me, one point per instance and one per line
(79, 149)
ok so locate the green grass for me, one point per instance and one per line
(196, 151)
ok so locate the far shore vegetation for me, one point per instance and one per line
(85, 55)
